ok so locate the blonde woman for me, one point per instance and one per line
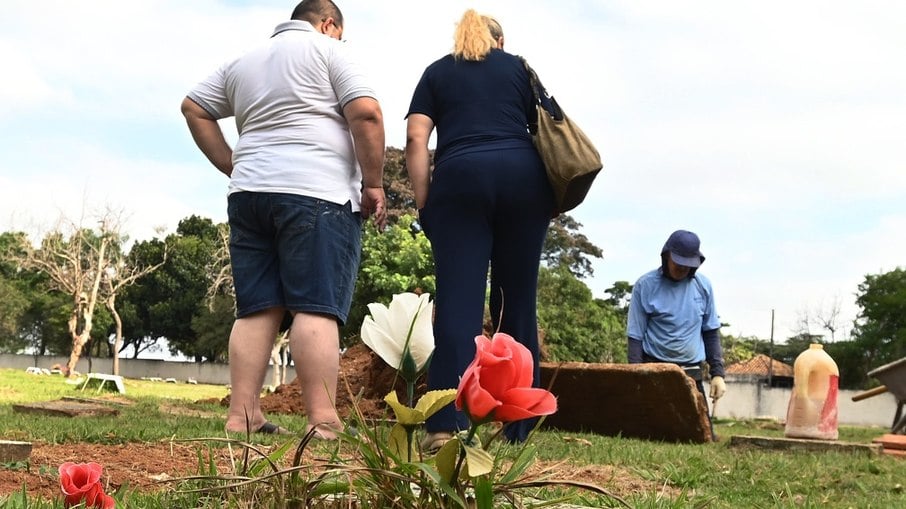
(487, 203)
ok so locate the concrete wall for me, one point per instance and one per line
(748, 400)
(209, 373)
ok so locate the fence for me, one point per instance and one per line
(201, 372)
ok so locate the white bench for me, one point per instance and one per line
(103, 379)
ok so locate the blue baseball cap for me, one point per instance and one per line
(684, 248)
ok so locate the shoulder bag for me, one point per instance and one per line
(571, 160)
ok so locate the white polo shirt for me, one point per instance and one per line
(288, 97)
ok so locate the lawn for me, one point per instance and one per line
(144, 450)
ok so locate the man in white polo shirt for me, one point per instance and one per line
(305, 171)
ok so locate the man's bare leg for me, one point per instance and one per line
(315, 345)
(251, 341)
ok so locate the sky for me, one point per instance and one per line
(775, 130)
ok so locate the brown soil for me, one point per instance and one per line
(364, 377)
(151, 467)
(147, 467)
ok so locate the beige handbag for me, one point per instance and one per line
(571, 160)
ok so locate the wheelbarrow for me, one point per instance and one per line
(893, 376)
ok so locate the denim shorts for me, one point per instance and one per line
(292, 251)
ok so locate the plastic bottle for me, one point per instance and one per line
(812, 412)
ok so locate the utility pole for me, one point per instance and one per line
(771, 353)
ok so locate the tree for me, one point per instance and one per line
(212, 332)
(397, 260)
(75, 259)
(619, 296)
(737, 348)
(576, 326)
(40, 326)
(169, 298)
(137, 307)
(564, 246)
(12, 306)
(880, 328)
(828, 318)
(121, 273)
(400, 198)
(13, 303)
(820, 317)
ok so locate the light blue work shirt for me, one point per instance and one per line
(668, 316)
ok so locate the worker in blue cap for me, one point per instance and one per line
(672, 317)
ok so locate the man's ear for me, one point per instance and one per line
(324, 25)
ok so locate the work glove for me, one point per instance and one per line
(718, 387)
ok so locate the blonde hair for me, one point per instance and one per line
(475, 36)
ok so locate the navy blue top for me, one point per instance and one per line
(476, 105)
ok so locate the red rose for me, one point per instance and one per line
(497, 385)
(81, 483)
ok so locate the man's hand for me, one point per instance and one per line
(718, 388)
(374, 205)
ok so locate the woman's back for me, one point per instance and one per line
(476, 105)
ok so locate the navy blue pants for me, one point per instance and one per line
(484, 209)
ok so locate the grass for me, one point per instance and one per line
(17, 386)
(144, 419)
(675, 475)
(715, 475)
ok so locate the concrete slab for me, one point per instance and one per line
(65, 408)
(650, 401)
(12, 451)
(122, 402)
(783, 443)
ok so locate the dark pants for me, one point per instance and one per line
(487, 208)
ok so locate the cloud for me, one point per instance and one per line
(773, 129)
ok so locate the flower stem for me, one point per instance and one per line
(462, 453)
(410, 393)
(409, 433)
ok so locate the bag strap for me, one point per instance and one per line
(534, 82)
(543, 99)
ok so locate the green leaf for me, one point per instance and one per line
(484, 493)
(445, 459)
(520, 464)
(274, 457)
(329, 487)
(404, 415)
(478, 461)
(442, 482)
(432, 401)
(398, 442)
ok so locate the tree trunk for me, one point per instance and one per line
(118, 342)
(77, 342)
(86, 305)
